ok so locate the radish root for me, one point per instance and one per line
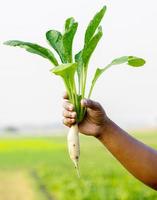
(74, 146)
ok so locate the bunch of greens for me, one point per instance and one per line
(77, 65)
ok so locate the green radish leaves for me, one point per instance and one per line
(90, 43)
(78, 59)
(93, 25)
(64, 69)
(68, 23)
(91, 38)
(70, 30)
(120, 60)
(135, 61)
(90, 47)
(55, 40)
(130, 60)
(34, 48)
(62, 43)
(67, 72)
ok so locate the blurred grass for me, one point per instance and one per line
(102, 177)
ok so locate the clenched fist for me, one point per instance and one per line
(95, 120)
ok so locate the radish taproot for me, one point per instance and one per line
(71, 66)
(74, 145)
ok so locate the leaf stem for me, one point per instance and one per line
(95, 79)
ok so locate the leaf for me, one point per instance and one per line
(63, 44)
(55, 40)
(78, 56)
(68, 40)
(78, 59)
(130, 60)
(90, 47)
(34, 48)
(97, 74)
(120, 60)
(93, 25)
(65, 70)
(68, 23)
(136, 62)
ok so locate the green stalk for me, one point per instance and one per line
(74, 91)
(71, 92)
(76, 98)
(67, 88)
(83, 80)
(94, 80)
(79, 86)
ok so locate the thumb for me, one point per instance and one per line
(88, 103)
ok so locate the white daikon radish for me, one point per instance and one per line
(74, 145)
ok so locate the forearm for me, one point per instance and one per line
(136, 157)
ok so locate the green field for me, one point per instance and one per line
(102, 177)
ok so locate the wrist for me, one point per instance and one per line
(105, 127)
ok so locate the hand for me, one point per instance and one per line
(95, 120)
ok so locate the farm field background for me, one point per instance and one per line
(39, 168)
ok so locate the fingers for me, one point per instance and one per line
(68, 106)
(69, 114)
(69, 118)
(68, 121)
(88, 103)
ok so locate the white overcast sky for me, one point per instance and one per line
(29, 94)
